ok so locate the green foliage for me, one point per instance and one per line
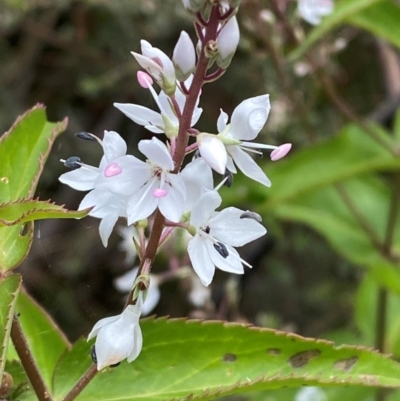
(23, 152)
(208, 360)
(45, 340)
(28, 210)
(9, 288)
(380, 17)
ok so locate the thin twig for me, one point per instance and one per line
(82, 383)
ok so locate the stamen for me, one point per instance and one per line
(87, 136)
(229, 178)
(73, 162)
(251, 215)
(144, 79)
(281, 151)
(250, 150)
(93, 354)
(221, 249)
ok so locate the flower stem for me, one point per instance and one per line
(28, 362)
(82, 383)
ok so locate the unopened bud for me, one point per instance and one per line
(227, 42)
(251, 215)
(7, 384)
(213, 151)
(184, 57)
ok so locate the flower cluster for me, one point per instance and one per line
(132, 188)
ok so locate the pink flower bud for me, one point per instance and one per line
(280, 152)
(144, 79)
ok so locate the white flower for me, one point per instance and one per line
(127, 244)
(118, 337)
(184, 57)
(162, 189)
(106, 206)
(125, 284)
(227, 42)
(165, 122)
(215, 235)
(199, 294)
(158, 65)
(197, 176)
(117, 173)
(313, 10)
(247, 120)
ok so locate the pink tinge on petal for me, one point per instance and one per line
(144, 79)
(112, 170)
(280, 151)
(159, 193)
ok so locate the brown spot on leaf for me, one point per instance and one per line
(301, 358)
(229, 357)
(345, 364)
(273, 351)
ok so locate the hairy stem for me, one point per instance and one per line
(82, 383)
(27, 361)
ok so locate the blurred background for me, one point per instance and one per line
(328, 266)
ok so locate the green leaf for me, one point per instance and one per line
(23, 152)
(45, 340)
(206, 360)
(396, 125)
(15, 243)
(9, 288)
(344, 10)
(382, 19)
(26, 210)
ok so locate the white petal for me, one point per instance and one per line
(213, 152)
(247, 165)
(153, 296)
(142, 115)
(100, 324)
(228, 227)
(171, 205)
(222, 120)
(249, 117)
(154, 69)
(133, 175)
(104, 203)
(230, 165)
(125, 282)
(114, 146)
(196, 115)
(184, 56)
(157, 153)
(312, 10)
(230, 264)
(164, 101)
(228, 40)
(201, 261)
(142, 203)
(196, 175)
(116, 340)
(81, 179)
(204, 208)
(158, 56)
(106, 226)
(137, 344)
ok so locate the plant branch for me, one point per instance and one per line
(82, 383)
(28, 362)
